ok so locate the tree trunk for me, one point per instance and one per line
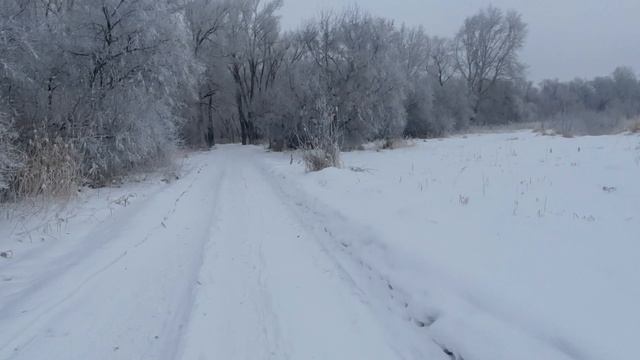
(244, 128)
(243, 133)
(211, 139)
(200, 135)
(475, 111)
(251, 129)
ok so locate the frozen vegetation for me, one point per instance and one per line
(92, 91)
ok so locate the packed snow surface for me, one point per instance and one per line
(500, 246)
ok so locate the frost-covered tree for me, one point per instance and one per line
(131, 57)
(437, 101)
(93, 89)
(556, 97)
(486, 51)
(285, 105)
(413, 52)
(505, 103)
(252, 57)
(627, 92)
(354, 60)
(593, 107)
(452, 107)
(617, 95)
(206, 20)
(441, 65)
(101, 80)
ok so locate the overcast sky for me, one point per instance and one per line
(567, 38)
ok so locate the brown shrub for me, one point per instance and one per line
(393, 144)
(322, 158)
(635, 127)
(51, 168)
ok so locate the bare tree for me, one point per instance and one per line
(486, 51)
(441, 64)
(414, 50)
(100, 80)
(627, 91)
(353, 55)
(206, 20)
(252, 56)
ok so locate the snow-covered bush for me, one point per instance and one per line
(127, 119)
(98, 87)
(321, 138)
(586, 123)
(320, 159)
(136, 135)
(363, 83)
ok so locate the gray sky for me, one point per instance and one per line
(567, 38)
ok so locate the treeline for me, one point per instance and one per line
(94, 89)
(594, 107)
(90, 90)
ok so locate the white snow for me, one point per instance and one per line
(502, 246)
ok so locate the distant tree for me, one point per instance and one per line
(354, 59)
(442, 64)
(206, 19)
(436, 100)
(451, 105)
(486, 51)
(285, 107)
(252, 57)
(506, 102)
(414, 50)
(556, 97)
(414, 55)
(627, 91)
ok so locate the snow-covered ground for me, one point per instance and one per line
(503, 246)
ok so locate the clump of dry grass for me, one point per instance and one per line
(635, 127)
(393, 144)
(388, 144)
(51, 167)
(322, 158)
(9, 156)
(544, 131)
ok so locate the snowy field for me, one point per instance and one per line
(488, 247)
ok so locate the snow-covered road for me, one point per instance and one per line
(267, 291)
(483, 247)
(215, 266)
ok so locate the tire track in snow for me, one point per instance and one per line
(51, 311)
(268, 292)
(331, 232)
(352, 246)
(231, 286)
(17, 305)
(184, 317)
